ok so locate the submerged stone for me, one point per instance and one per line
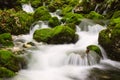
(94, 48)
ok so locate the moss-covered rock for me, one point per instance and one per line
(54, 21)
(6, 40)
(42, 13)
(66, 10)
(71, 25)
(95, 48)
(15, 22)
(57, 35)
(94, 15)
(42, 35)
(6, 73)
(116, 14)
(109, 39)
(72, 18)
(10, 61)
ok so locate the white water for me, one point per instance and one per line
(65, 61)
(27, 8)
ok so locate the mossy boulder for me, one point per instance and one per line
(54, 21)
(66, 10)
(116, 14)
(57, 35)
(72, 18)
(15, 22)
(10, 61)
(95, 49)
(6, 73)
(109, 39)
(94, 15)
(6, 40)
(42, 13)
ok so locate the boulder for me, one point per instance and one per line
(94, 15)
(10, 61)
(109, 39)
(72, 18)
(94, 48)
(41, 13)
(6, 40)
(54, 21)
(6, 73)
(57, 35)
(15, 22)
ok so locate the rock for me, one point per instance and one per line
(28, 45)
(6, 73)
(109, 39)
(15, 22)
(10, 61)
(72, 18)
(42, 13)
(54, 21)
(57, 35)
(95, 49)
(6, 40)
(94, 15)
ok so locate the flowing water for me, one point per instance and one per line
(68, 61)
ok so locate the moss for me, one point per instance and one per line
(6, 73)
(72, 18)
(114, 21)
(15, 22)
(116, 14)
(54, 21)
(95, 48)
(105, 38)
(94, 15)
(42, 13)
(10, 61)
(71, 25)
(42, 35)
(36, 3)
(57, 35)
(6, 39)
(66, 10)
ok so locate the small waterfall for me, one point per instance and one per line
(76, 59)
(28, 8)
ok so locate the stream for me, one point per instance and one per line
(68, 61)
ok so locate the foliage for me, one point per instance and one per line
(15, 22)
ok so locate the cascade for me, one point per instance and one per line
(66, 61)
